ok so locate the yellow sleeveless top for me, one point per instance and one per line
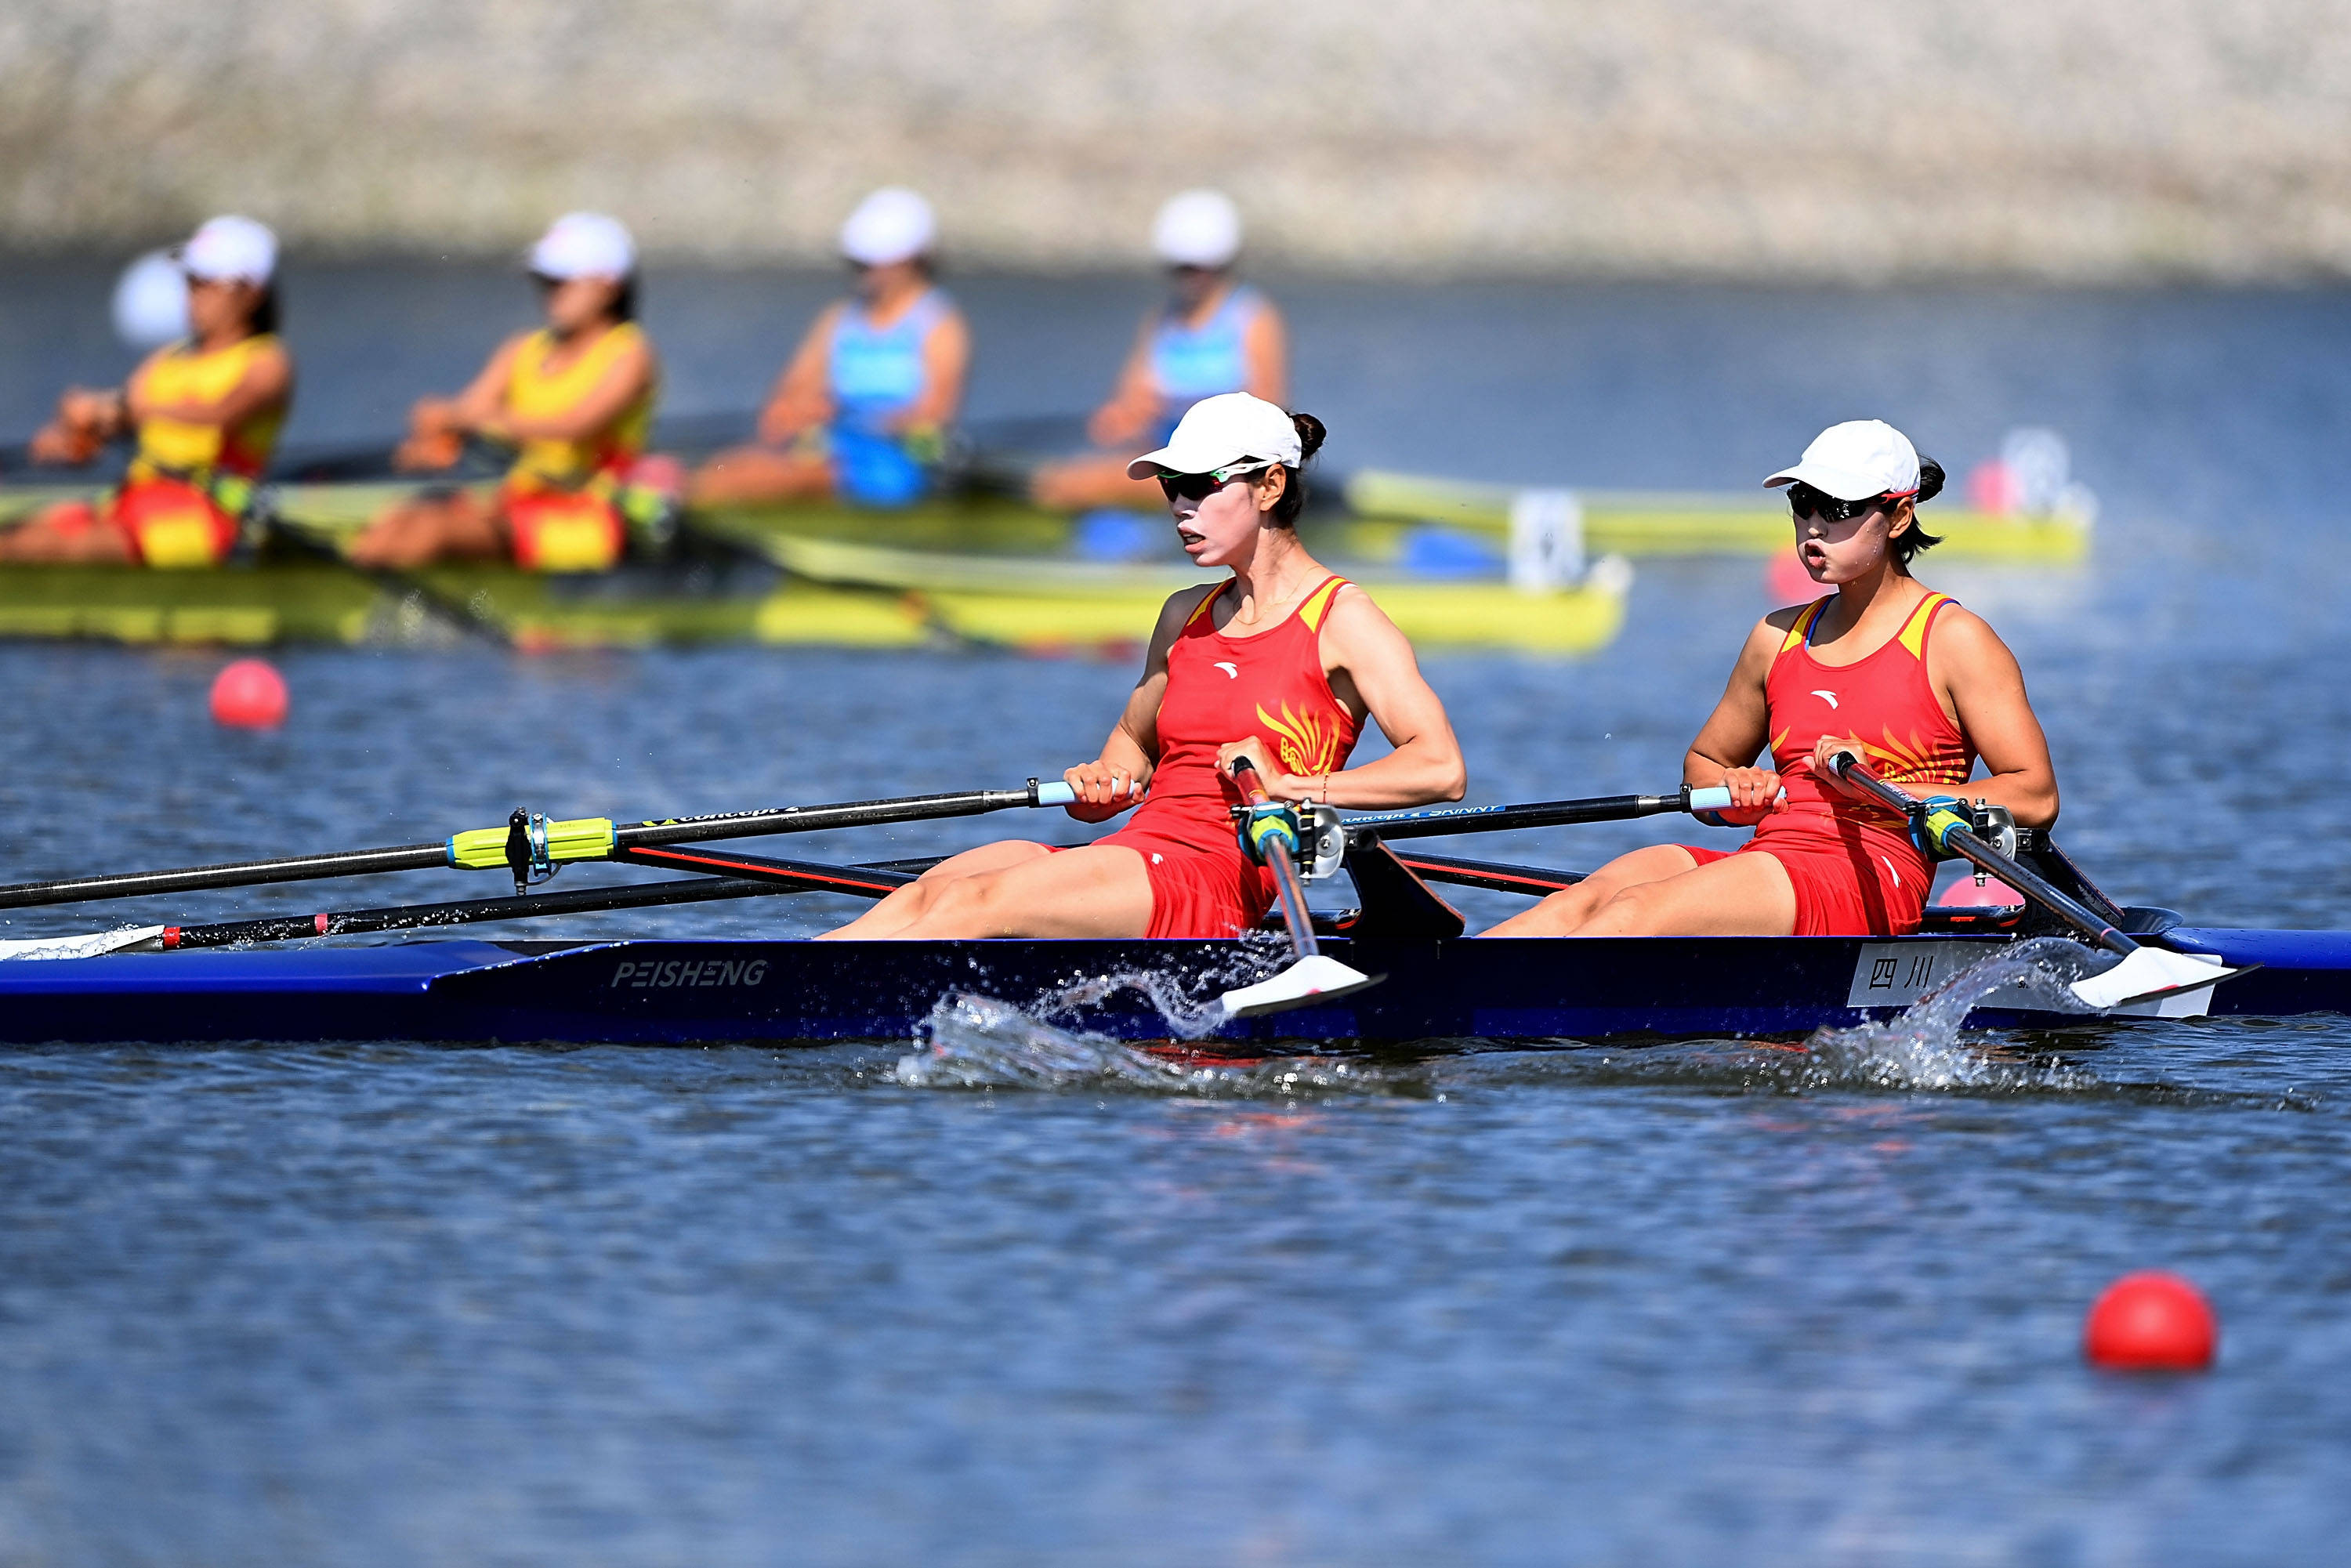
(534, 392)
(182, 373)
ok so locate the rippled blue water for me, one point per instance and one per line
(1707, 1303)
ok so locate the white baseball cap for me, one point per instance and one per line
(1223, 432)
(892, 225)
(1854, 461)
(230, 249)
(584, 245)
(1197, 228)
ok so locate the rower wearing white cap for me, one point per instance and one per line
(575, 400)
(863, 408)
(205, 409)
(1215, 334)
(1884, 670)
(1280, 663)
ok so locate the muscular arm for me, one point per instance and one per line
(267, 382)
(1739, 727)
(1115, 780)
(1372, 670)
(1969, 662)
(801, 398)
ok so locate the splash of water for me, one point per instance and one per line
(978, 1043)
(87, 945)
(1921, 1047)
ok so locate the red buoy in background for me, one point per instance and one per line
(249, 694)
(2150, 1322)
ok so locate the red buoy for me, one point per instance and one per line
(249, 694)
(2150, 1322)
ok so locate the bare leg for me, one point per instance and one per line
(419, 532)
(748, 475)
(1017, 889)
(1660, 890)
(69, 532)
(1097, 480)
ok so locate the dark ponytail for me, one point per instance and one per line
(1310, 435)
(1914, 539)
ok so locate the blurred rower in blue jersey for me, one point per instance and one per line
(862, 410)
(1215, 334)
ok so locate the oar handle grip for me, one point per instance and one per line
(1056, 793)
(1715, 798)
(1244, 777)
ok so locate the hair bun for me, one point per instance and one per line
(1311, 434)
(1930, 479)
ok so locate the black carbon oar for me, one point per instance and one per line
(1313, 975)
(1444, 819)
(866, 880)
(531, 847)
(2144, 974)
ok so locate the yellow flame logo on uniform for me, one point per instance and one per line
(1308, 743)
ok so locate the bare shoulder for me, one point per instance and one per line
(1180, 607)
(1356, 620)
(1968, 636)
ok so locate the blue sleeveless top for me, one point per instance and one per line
(876, 372)
(1188, 364)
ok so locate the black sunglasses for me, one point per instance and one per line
(1803, 501)
(1200, 486)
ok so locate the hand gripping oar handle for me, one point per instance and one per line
(2144, 972)
(2099, 932)
(1277, 845)
(486, 848)
(1311, 976)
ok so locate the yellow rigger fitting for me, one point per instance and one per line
(484, 849)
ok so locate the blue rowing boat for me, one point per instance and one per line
(684, 992)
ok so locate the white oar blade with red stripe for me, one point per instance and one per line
(2152, 974)
(1317, 978)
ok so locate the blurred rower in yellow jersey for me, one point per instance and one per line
(862, 410)
(1214, 335)
(575, 398)
(206, 409)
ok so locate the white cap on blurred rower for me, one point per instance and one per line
(583, 245)
(1197, 228)
(1223, 432)
(890, 226)
(1856, 460)
(230, 249)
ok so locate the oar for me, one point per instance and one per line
(1313, 975)
(532, 847)
(871, 880)
(1541, 814)
(2144, 974)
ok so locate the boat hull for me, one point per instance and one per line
(789, 991)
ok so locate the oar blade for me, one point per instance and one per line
(1317, 978)
(2157, 976)
(85, 945)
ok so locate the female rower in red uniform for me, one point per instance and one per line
(1884, 669)
(1280, 663)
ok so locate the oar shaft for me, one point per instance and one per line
(1288, 886)
(634, 835)
(869, 880)
(241, 874)
(1541, 814)
(2035, 886)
